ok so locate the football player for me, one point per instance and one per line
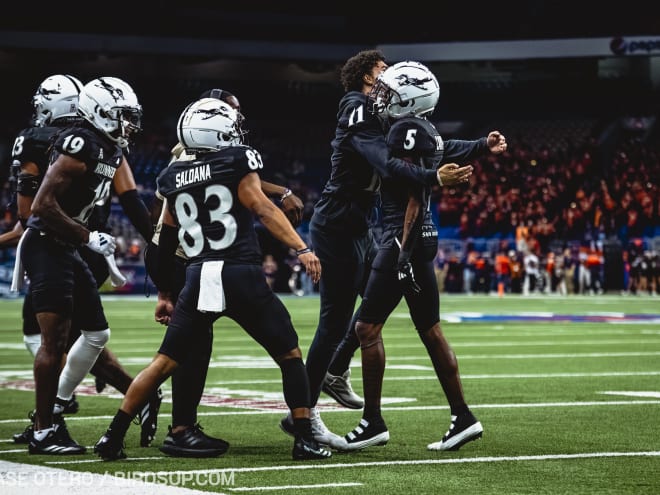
(405, 94)
(55, 105)
(185, 436)
(340, 225)
(88, 159)
(211, 202)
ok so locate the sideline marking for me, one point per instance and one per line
(291, 487)
(20, 479)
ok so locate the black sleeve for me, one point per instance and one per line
(165, 252)
(374, 149)
(138, 213)
(459, 151)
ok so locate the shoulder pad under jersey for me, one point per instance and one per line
(414, 137)
(32, 145)
(354, 112)
(84, 145)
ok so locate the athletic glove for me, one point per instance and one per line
(407, 278)
(101, 243)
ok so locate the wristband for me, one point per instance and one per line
(286, 194)
(439, 180)
(303, 251)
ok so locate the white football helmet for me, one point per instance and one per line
(111, 106)
(209, 124)
(56, 98)
(403, 89)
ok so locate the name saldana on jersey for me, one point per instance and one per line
(202, 195)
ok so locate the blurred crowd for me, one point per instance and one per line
(581, 216)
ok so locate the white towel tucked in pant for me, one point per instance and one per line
(211, 292)
(17, 277)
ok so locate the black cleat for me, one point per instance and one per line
(463, 429)
(109, 449)
(306, 449)
(52, 444)
(26, 435)
(193, 442)
(148, 418)
(63, 435)
(366, 434)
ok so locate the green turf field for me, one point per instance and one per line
(568, 391)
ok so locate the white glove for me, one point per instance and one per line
(101, 243)
(117, 279)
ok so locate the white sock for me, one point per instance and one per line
(32, 343)
(80, 359)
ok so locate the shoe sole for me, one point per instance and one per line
(378, 440)
(469, 434)
(351, 405)
(181, 452)
(58, 450)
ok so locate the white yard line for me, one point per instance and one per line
(331, 408)
(461, 460)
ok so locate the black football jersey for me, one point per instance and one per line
(416, 139)
(359, 160)
(102, 158)
(202, 194)
(31, 145)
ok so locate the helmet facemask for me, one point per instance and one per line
(405, 89)
(111, 106)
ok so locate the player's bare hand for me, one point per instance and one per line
(292, 206)
(496, 142)
(451, 174)
(312, 265)
(164, 309)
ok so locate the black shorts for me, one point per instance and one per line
(99, 268)
(249, 302)
(58, 276)
(384, 292)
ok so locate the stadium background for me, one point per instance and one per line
(545, 89)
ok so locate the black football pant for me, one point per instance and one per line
(345, 264)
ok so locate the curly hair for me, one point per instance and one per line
(357, 66)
